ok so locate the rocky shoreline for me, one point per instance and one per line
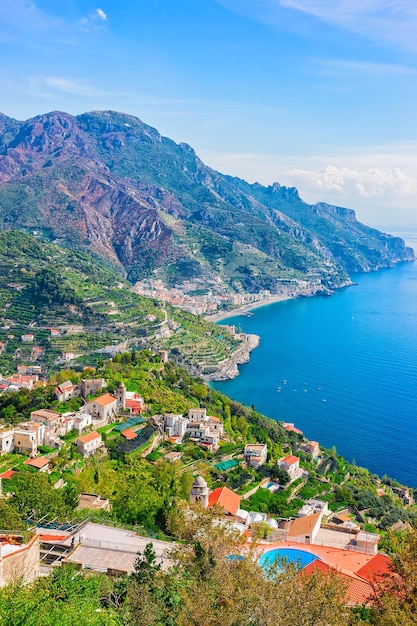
(230, 368)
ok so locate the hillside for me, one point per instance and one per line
(149, 495)
(92, 310)
(108, 183)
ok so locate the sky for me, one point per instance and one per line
(317, 94)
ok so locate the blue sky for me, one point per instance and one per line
(320, 94)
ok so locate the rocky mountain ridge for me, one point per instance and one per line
(108, 183)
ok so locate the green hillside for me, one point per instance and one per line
(43, 286)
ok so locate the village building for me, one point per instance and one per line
(290, 428)
(291, 464)
(175, 425)
(65, 391)
(104, 407)
(81, 421)
(255, 454)
(25, 442)
(314, 506)
(51, 419)
(134, 403)
(128, 434)
(23, 381)
(304, 529)
(311, 447)
(6, 441)
(91, 386)
(173, 456)
(28, 338)
(18, 560)
(29, 369)
(227, 499)
(38, 428)
(41, 463)
(88, 444)
(93, 501)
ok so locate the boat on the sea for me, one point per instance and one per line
(324, 400)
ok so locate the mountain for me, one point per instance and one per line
(108, 183)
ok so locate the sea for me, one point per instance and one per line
(342, 368)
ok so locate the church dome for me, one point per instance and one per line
(199, 482)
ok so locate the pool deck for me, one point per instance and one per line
(345, 561)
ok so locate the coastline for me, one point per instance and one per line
(245, 308)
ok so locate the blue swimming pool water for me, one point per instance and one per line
(299, 558)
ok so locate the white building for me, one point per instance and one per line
(82, 420)
(255, 454)
(88, 444)
(6, 441)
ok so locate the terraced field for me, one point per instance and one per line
(92, 307)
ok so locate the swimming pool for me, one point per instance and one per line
(299, 558)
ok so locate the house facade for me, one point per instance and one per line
(88, 444)
(25, 442)
(6, 441)
(255, 454)
(104, 407)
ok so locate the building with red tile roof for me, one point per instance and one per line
(103, 407)
(305, 529)
(376, 569)
(357, 591)
(88, 444)
(41, 463)
(129, 434)
(225, 498)
(7, 474)
(291, 464)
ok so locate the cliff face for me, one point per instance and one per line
(108, 182)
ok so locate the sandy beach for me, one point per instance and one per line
(223, 315)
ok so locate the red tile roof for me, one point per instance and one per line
(104, 400)
(90, 437)
(39, 463)
(376, 569)
(290, 460)
(357, 591)
(226, 498)
(129, 434)
(7, 474)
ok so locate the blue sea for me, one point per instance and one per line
(342, 368)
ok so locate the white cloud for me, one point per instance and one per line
(367, 183)
(100, 14)
(388, 20)
(392, 21)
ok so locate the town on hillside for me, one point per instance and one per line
(266, 481)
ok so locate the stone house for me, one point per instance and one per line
(104, 407)
(65, 391)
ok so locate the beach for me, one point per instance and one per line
(245, 308)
